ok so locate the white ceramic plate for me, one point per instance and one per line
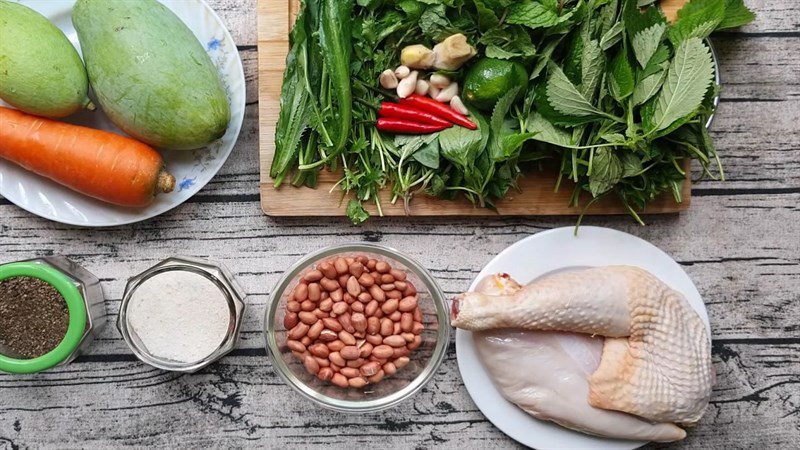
(192, 169)
(541, 254)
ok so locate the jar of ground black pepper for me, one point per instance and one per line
(50, 309)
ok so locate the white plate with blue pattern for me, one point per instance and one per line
(192, 169)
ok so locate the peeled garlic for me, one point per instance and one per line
(447, 94)
(401, 72)
(439, 80)
(422, 87)
(458, 105)
(407, 85)
(433, 91)
(387, 79)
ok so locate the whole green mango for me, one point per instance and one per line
(40, 71)
(150, 74)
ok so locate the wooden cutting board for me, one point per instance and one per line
(536, 196)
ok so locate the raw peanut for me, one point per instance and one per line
(417, 328)
(312, 366)
(332, 324)
(389, 306)
(387, 326)
(357, 307)
(377, 377)
(337, 294)
(299, 355)
(335, 368)
(365, 350)
(400, 285)
(370, 369)
(373, 325)
(319, 350)
(328, 270)
(398, 274)
(336, 358)
(415, 343)
(349, 352)
(408, 304)
(357, 382)
(359, 321)
(328, 336)
(323, 362)
(370, 309)
(389, 368)
(394, 341)
(307, 318)
(326, 305)
(409, 337)
(342, 280)
(382, 267)
(371, 264)
(399, 352)
(377, 293)
(339, 380)
(301, 292)
(382, 351)
(379, 314)
(347, 338)
(325, 295)
(353, 288)
(306, 340)
(375, 276)
(418, 315)
(356, 363)
(395, 316)
(380, 361)
(329, 285)
(349, 260)
(364, 297)
(356, 269)
(366, 280)
(308, 305)
(315, 330)
(314, 292)
(298, 331)
(290, 320)
(325, 374)
(410, 289)
(335, 346)
(348, 298)
(406, 322)
(388, 287)
(374, 339)
(320, 314)
(387, 278)
(359, 334)
(340, 265)
(349, 372)
(401, 362)
(313, 275)
(293, 306)
(344, 319)
(395, 294)
(396, 329)
(340, 308)
(295, 346)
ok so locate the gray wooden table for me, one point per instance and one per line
(740, 243)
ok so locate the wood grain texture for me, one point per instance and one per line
(534, 197)
(738, 243)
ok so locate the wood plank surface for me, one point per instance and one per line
(534, 197)
(739, 244)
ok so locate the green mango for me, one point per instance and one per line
(150, 74)
(40, 71)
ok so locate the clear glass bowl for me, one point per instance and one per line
(390, 391)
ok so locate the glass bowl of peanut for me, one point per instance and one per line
(357, 327)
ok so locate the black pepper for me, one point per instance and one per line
(33, 317)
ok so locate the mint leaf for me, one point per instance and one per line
(606, 171)
(645, 29)
(645, 43)
(620, 81)
(460, 145)
(592, 66)
(547, 110)
(533, 14)
(689, 77)
(697, 18)
(631, 165)
(428, 155)
(736, 15)
(504, 143)
(612, 36)
(657, 63)
(648, 87)
(565, 97)
(547, 132)
(493, 51)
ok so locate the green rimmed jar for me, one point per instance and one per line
(83, 295)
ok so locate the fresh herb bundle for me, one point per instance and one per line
(618, 97)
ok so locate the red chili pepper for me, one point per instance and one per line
(438, 109)
(397, 111)
(403, 126)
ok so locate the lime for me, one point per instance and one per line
(490, 78)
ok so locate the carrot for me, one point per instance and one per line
(100, 164)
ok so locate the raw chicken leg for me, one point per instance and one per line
(661, 372)
(556, 367)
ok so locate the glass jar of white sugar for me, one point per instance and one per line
(181, 314)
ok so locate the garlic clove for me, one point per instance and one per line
(388, 79)
(439, 80)
(407, 85)
(458, 105)
(422, 87)
(447, 94)
(433, 91)
(401, 72)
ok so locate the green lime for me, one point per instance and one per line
(490, 78)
